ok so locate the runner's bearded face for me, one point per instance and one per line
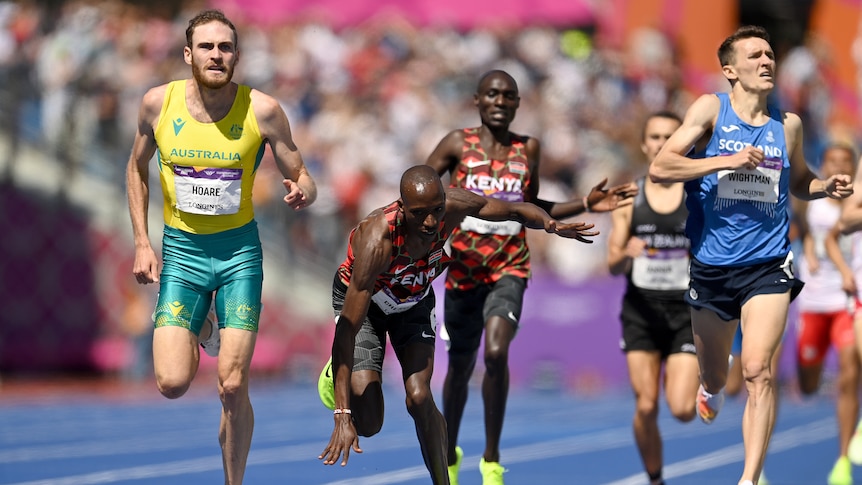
(213, 55)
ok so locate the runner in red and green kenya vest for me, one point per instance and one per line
(383, 292)
(407, 280)
(491, 261)
(484, 251)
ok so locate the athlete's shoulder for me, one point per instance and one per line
(457, 135)
(377, 221)
(791, 119)
(263, 104)
(706, 102)
(451, 145)
(792, 130)
(152, 101)
(373, 233)
(528, 140)
(703, 112)
(156, 95)
(271, 119)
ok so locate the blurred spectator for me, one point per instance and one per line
(805, 89)
(18, 39)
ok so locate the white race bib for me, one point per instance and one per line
(390, 304)
(481, 226)
(758, 185)
(211, 191)
(662, 270)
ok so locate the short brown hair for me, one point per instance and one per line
(725, 51)
(205, 17)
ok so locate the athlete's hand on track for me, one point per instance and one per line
(295, 198)
(572, 230)
(343, 439)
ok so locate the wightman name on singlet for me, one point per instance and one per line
(759, 185)
(748, 177)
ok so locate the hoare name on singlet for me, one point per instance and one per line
(211, 191)
(408, 280)
(189, 153)
(734, 146)
(485, 183)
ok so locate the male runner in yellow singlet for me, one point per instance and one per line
(210, 135)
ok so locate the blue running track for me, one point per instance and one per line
(128, 434)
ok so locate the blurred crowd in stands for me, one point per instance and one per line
(364, 102)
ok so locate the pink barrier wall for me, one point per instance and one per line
(340, 13)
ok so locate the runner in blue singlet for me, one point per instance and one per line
(741, 159)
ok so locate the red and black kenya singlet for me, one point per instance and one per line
(484, 251)
(407, 280)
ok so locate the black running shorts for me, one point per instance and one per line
(417, 324)
(652, 324)
(725, 289)
(466, 311)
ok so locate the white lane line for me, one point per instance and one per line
(620, 437)
(603, 440)
(283, 454)
(609, 439)
(106, 446)
(546, 449)
(807, 434)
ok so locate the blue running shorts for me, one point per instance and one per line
(229, 263)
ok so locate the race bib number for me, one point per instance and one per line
(481, 226)
(661, 270)
(389, 303)
(211, 191)
(758, 185)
